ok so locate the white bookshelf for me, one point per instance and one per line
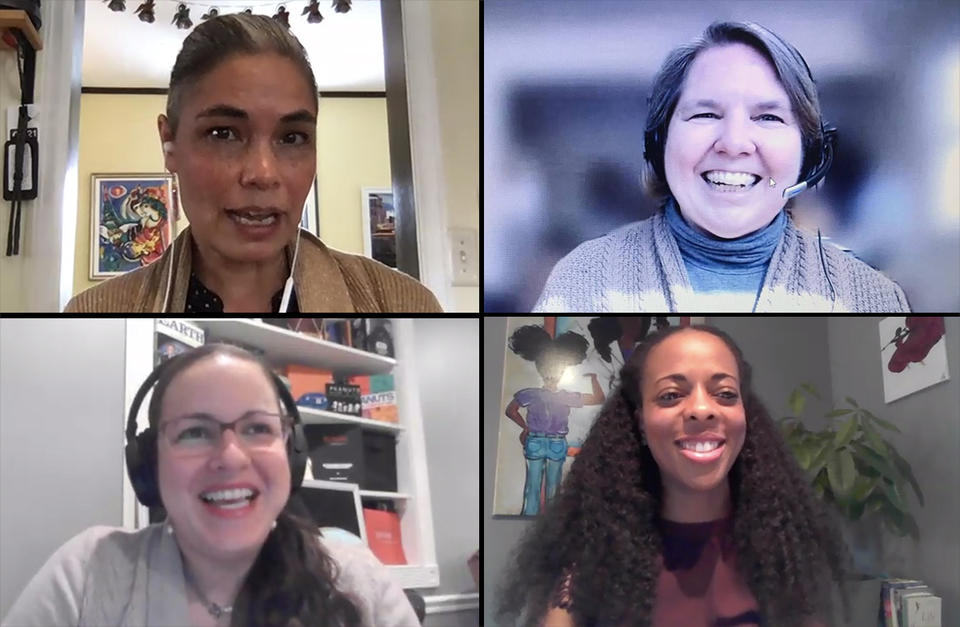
(412, 498)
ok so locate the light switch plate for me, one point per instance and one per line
(464, 257)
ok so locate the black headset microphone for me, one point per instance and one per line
(141, 450)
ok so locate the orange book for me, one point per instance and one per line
(308, 386)
(383, 536)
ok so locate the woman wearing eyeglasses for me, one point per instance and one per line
(231, 551)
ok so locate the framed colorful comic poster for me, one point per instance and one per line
(557, 373)
(379, 225)
(310, 218)
(131, 221)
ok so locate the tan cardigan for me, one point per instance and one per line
(325, 280)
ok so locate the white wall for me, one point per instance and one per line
(61, 438)
(448, 361)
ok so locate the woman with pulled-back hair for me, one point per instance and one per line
(233, 551)
(239, 134)
(684, 507)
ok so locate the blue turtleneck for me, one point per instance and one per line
(734, 267)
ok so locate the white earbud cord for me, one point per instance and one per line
(288, 285)
(167, 148)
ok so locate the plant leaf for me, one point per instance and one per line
(812, 391)
(797, 402)
(838, 412)
(875, 461)
(904, 467)
(842, 472)
(846, 433)
(894, 496)
(862, 488)
(852, 402)
(881, 422)
(819, 460)
(873, 439)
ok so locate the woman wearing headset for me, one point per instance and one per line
(239, 133)
(232, 551)
(734, 120)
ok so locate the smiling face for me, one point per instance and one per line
(226, 388)
(721, 125)
(691, 389)
(245, 153)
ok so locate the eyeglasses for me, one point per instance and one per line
(200, 434)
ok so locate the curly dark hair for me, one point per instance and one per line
(291, 582)
(602, 527)
(533, 343)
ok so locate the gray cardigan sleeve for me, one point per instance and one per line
(54, 595)
(379, 598)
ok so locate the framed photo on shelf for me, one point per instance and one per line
(131, 219)
(379, 225)
(310, 219)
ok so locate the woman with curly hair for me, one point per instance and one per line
(683, 508)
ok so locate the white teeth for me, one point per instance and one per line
(731, 178)
(228, 495)
(700, 447)
(260, 221)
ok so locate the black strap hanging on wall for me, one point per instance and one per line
(26, 67)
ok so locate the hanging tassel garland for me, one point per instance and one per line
(182, 17)
(282, 16)
(145, 12)
(312, 11)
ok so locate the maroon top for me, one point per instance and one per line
(699, 584)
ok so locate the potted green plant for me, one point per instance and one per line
(851, 465)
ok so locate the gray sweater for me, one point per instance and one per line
(106, 576)
(638, 268)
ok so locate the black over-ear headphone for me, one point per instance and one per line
(816, 161)
(141, 450)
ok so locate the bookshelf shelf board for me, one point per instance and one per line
(289, 347)
(313, 416)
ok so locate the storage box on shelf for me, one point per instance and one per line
(282, 347)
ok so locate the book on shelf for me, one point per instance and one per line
(308, 386)
(344, 398)
(174, 337)
(378, 399)
(890, 590)
(918, 609)
(383, 535)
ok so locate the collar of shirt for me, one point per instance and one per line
(742, 253)
(200, 299)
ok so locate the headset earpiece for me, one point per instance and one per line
(167, 147)
(141, 449)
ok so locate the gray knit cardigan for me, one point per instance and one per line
(638, 268)
(113, 577)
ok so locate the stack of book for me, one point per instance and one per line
(908, 603)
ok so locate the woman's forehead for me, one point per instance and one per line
(723, 75)
(692, 348)
(263, 84)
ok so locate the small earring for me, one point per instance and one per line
(169, 529)
(273, 526)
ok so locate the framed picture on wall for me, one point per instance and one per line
(379, 225)
(556, 395)
(131, 221)
(310, 219)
